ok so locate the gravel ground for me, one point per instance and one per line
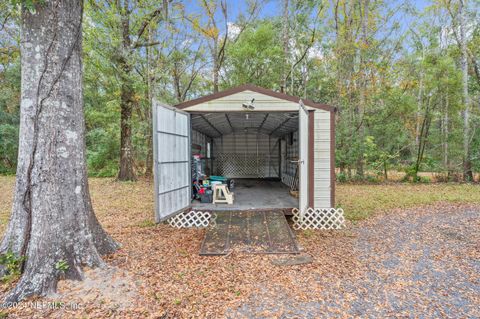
(422, 263)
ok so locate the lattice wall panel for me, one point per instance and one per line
(241, 165)
(190, 219)
(319, 218)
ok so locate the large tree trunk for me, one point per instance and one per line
(52, 217)
(127, 170)
(467, 164)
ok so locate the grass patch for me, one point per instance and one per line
(146, 223)
(131, 204)
(360, 201)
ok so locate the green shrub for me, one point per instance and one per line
(12, 264)
(62, 265)
(342, 177)
(372, 179)
(423, 179)
(102, 153)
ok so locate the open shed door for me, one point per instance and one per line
(303, 158)
(171, 148)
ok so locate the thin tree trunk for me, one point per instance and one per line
(445, 135)
(418, 120)
(127, 171)
(176, 82)
(216, 66)
(149, 159)
(305, 79)
(467, 165)
(52, 217)
(424, 131)
(363, 89)
(385, 170)
(283, 84)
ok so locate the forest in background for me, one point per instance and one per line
(405, 78)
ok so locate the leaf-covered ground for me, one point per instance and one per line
(406, 260)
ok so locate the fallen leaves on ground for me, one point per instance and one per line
(392, 264)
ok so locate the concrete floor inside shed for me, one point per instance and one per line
(252, 194)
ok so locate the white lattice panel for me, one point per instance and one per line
(242, 165)
(319, 218)
(190, 219)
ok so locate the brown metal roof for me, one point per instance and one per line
(251, 87)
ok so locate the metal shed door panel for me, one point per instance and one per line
(303, 158)
(172, 160)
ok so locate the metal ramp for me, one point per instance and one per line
(256, 232)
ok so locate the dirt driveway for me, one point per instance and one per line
(422, 263)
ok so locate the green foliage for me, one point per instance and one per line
(342, 177)
(372, 179)
(102, 152)
(377, 158)
(28, 4)
(12, 264)
(256, 57)
(9, 114)
(8, 147)
(62, 266)
(405, 75)
(424, 179)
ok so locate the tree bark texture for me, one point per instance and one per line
(216, 66)
(52, 217)
(149, 136)
(445, 134)
(285, 39)
(127, 169)
(362, 88)
(467, 164)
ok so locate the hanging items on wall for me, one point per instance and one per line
(198, 169)
(294, 185)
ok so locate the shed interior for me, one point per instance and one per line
(256, 149)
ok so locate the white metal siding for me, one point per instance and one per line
(303, 157)
(321, 148)
(233, 103)
(172, 173)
